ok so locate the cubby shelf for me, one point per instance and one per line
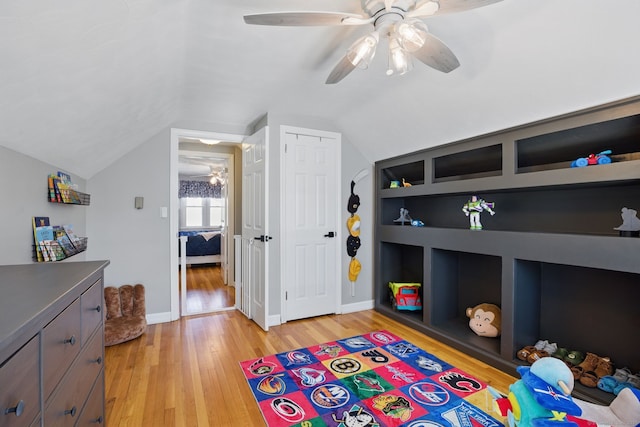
(550, 257)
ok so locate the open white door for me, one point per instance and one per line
(255, 238)
(311, 267)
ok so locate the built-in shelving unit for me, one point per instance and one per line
(550, 257)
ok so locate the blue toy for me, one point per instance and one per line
(601, 158)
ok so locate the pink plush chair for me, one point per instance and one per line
(125, 313)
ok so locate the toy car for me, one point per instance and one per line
(405, 296)
(601, 158)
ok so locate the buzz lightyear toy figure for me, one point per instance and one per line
(473, 208)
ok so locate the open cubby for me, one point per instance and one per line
(405, 265)
(475, 163)
(548, 297)
(571, 306)
(550, 257)
(593, 209)
(558, 149)
(460, 280)
(412, 172)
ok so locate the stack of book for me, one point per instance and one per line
(54, 243)
(62, 190)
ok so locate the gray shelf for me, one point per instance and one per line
(549, 257)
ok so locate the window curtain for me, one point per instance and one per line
(199, 189)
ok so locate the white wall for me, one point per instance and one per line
(24, 195)
(136, 241)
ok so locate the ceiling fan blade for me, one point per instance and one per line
(388, 4)
(448, 6)
(293, 19)
(340, 71)
(436, 54)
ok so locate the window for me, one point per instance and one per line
(198, 212)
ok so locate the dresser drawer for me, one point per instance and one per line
(20, 386)
(92, 305)
(93, 413)
(66, 404)
(60, 345)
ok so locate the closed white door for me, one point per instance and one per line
(255, 246)
(311, 266)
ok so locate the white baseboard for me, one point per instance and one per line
(154, 318)
(274, 320)
(357, 306)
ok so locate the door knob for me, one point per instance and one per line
(330, 234)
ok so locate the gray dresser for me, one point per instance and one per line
(51, 344)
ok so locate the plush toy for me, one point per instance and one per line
(542, 398)
(485, 319)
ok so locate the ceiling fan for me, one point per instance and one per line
(194, 167)
(399, 20)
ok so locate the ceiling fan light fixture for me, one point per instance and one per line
(363, 50)
(210, 141)
(399, 59)
(428, 7)
(412, 34)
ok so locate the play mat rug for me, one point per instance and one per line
(370, 380)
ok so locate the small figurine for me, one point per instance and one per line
(404, 217)
(473, 208)
(630, 223)
(417, 223)
(405, 183)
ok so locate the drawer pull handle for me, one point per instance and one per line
(18, 409)
(99, 360)
(71, 411)
(71, 340)
(98, 309)
(98, 420)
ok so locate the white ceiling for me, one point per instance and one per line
(82, 82)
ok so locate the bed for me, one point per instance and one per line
(203, 247)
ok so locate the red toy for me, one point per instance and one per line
(601, 158)
(405, 296)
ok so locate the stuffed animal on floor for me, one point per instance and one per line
(485, 319)
(542, 398)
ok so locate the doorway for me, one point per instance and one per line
(208, 218)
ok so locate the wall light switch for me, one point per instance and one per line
(139, 202)
(164, 212)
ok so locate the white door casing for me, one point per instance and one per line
(255, 246)
(310, 220)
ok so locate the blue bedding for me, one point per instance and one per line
(202, 243)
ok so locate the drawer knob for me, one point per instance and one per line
(71, 411)
(18, 409)
(98, 420)
(71, 340)
(98, 309)
(99, 360)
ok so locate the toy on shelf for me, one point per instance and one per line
(473, 208)
(404, 217)
(394, 184)
(417, 223)
(601, 158)
(485, 319)
(405, 183)
(542, 397)
(630, 223)
(405, 296)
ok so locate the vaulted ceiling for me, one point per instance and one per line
(82, 82)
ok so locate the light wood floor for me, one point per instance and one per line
(186, 373)
(206, 291)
